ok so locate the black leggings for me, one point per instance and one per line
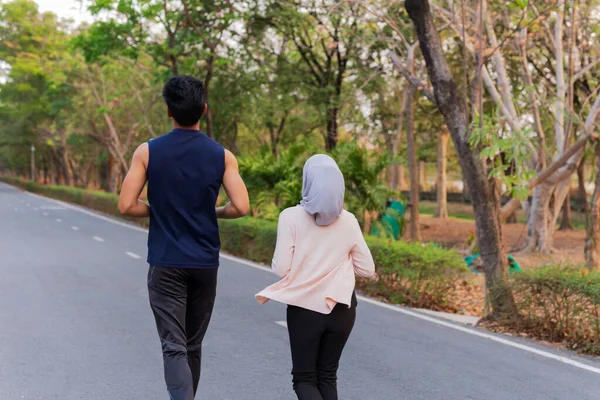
(182, 301)
(317, 342)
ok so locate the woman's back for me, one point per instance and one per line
(318, 263)
(319, 249)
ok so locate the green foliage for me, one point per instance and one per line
(275, 182)
(561, 303)
(509, 153)
(251, 238)
(362, 169)
(106, 38)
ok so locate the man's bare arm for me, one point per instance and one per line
(129, 202)
(239, 203)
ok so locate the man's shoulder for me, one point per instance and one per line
(157, 139)
(212, 141)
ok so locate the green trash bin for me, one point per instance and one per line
(392, 222)
(512, 263)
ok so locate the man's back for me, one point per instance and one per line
(185, 173)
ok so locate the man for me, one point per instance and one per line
(184, 170)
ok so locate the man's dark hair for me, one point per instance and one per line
(185, 98)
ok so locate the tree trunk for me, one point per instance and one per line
(391, 176)
(465, 192)
(485, 203)
(45, 169)
(592, 243)
(442, 201)
(209, 124)
(581, 191)
(422, 176)
(207, 80)
(547, 202)
(62, 169)
(104, 174)
(539, 236)
(565, 223)
(111, 169)
(395, 171)
(401, 177)
(69, 178)
(415, 231)
(332, 129)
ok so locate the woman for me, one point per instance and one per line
(319, 249)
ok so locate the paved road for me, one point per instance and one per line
(75, 325)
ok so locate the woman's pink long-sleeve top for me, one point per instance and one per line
(317, 263)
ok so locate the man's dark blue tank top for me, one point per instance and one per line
(185, 173)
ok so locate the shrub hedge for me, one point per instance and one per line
(561, 304)
(420, 275)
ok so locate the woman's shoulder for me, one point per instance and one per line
(348, 217)
(297, 214)
(292, 213)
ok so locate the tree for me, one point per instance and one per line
(413, 167)
(327, 44)
(592, 243)
(36, 90)
(442, 201)
(537, 38)
(186, 36)
(483, 191)
(118, 110)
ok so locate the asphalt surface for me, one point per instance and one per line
(75, 324)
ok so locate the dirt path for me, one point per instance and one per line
(454, 232)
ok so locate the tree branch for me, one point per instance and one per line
(574, 152)
(413, 80)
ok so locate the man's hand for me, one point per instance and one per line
(129, 202)
(239, 203)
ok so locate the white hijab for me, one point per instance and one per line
(323, 189)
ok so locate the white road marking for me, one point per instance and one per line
(45, 214)
(133, 255)
(74, 228)
(36, 209)
(28, 205)
(16, 209)
(58, 220)
(281, 323)
(402, 310)
(90, 213)
(51, 207)
(98, 239)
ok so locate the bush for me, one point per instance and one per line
(560, 303)
(251, 238)
(413, 273)
(419, 275)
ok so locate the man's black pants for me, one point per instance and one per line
(317, 342)
(182, 301)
